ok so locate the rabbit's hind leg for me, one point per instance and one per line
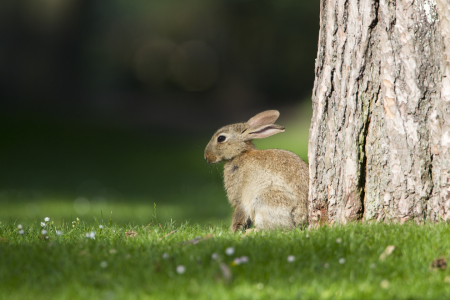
(272, 210)
(299, 215)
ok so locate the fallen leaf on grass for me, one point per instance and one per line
(193, 241)
(85, 253)
(157, 266)
(388, 251)
(131, 233)
(439, 263)
(170, 233)
(198, 239)
(148, 225)
(226, 272)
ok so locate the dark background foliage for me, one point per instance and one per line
(122, 96)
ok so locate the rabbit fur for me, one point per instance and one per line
(268, 188)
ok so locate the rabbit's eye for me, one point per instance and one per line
(221, 138)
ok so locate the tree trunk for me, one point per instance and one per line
(380, 132)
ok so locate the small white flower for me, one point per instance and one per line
(240, 260)
(21, 231)
(181, 269)
(214, 256)
(19, 226)
(342, 261)
(229, 251)
(307, 235)
(103, 264)
(90, 235)
(165, 256)
(290, 258)
(260, 286)
(46, 219)
(58, 232)
(244, 259)
(44, 232)
(100, 226)
(338, 240)
(42, 224)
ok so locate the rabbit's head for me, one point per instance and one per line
(232, 140)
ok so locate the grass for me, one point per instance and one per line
(113, 178)
(340, 262)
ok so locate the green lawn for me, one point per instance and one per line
(115, 177)
(341, 262)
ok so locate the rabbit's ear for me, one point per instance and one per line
(263, 131)
(264, 118)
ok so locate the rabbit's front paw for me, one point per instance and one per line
(240, 220)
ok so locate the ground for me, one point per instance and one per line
(140, 215)
(44, 260)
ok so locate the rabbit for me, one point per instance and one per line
(267, 188)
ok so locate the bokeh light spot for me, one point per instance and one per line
(195, 66)
(82, 205)
(151, 61)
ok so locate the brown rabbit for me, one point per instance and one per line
(268, 188)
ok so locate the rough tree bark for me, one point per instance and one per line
(380, 132)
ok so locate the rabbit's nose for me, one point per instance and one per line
(210, 157)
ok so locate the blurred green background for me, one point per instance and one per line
(106, 106)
